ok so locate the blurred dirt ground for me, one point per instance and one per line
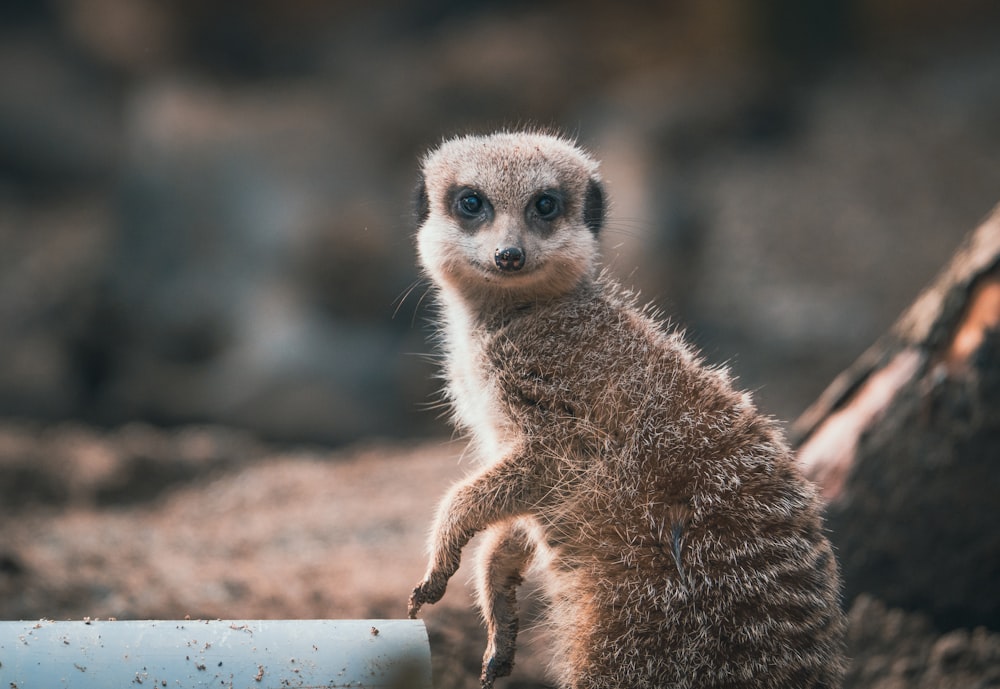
(248, 530)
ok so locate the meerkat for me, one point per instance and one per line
(676, 541)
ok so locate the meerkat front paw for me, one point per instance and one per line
(430, 590)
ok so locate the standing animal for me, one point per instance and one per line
(678, 543)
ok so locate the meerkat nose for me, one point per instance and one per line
(509, 259)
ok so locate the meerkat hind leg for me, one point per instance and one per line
(503, 560)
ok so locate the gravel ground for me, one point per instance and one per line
(245, 530)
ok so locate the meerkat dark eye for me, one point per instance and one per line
(547, 206)
(470, 204)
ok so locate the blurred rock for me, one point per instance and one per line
(903, 445)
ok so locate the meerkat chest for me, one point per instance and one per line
(476, 398)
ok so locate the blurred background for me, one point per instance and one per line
(204, 207)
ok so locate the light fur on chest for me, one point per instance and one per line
(473, 393)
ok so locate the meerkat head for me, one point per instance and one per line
(509, 217)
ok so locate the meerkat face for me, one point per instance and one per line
(510, 214)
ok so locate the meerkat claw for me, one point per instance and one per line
(492, 669)
(412, 609)
(416, 602)
(425, 592)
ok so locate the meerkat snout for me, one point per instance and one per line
(509, 259)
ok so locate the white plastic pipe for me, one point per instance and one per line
(223, 654)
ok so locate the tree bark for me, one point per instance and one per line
(905, 446)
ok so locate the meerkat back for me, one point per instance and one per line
(679, 543)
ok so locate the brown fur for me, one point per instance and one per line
(680, 546)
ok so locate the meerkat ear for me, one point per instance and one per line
(593, 206)
(421, 204)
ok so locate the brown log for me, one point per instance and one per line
(905, 445)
